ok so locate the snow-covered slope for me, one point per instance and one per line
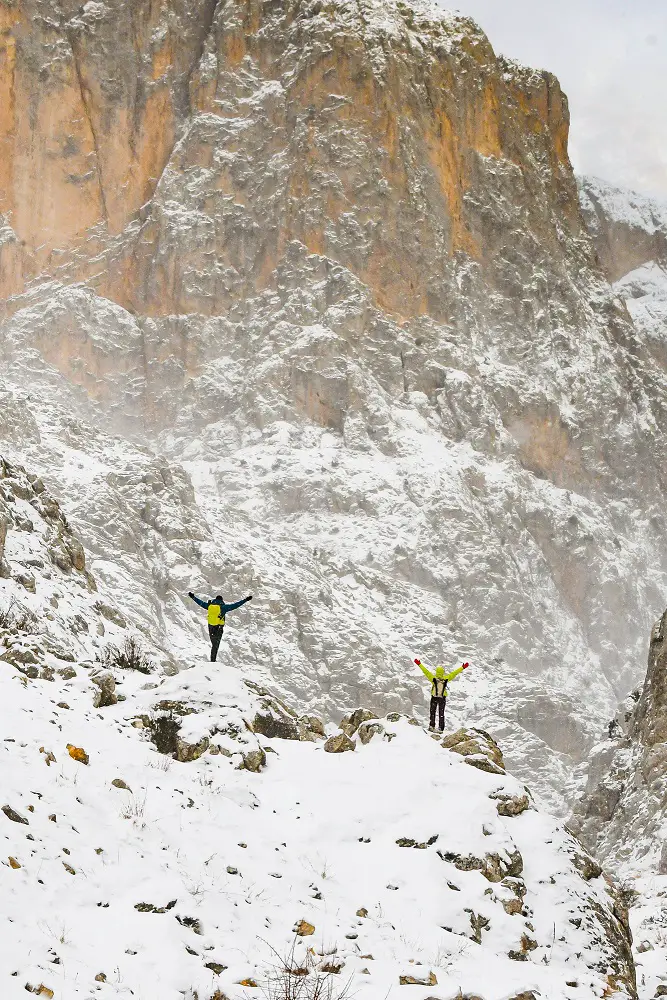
(630, 235)
(644, 291)
(183, 833)
(622, 206)
(397, 859)
(454, 514)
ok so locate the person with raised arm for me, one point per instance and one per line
(217, 609)
(439, 681)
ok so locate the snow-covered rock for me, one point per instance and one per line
(629, 229)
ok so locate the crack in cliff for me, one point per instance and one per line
(89, 118)
(209, 14)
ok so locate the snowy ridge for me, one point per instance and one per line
(392, 861)
(621, 205)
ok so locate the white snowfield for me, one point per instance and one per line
(192, 880)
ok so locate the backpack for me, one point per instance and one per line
(215, 615)
(437, 691)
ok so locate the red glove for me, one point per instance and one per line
(418, 662)
(465, 666)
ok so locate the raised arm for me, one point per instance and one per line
(202, 604)
(455, 673)
(424, 669)
(233, 607)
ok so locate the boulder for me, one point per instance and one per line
(77, 753)
(478, 748)
(494, 867)
(105, 695)
(513, 903)
(367, 730)
(76, 553)
(311, 728)
(586, 865)
(304, 929)
(14, 816)
(254, 760)
(19, 655)
(350, 723)
(429, 979)
(339, 743)
(275, 724)
(276, 720)
(510, 805)
(187, 752)
(27, 581)
(526, 945)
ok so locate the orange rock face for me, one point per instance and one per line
(375, 143)
(88, 100)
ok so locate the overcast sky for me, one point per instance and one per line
(611, 59)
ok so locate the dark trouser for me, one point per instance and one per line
(438, 703)
(215, 632)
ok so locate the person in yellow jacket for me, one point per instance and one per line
(439, 681)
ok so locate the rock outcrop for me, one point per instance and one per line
(629, 229)
(621, 816)
(622, 813)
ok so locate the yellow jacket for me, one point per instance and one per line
(439, 679)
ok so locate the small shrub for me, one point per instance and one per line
(163, 732)
(295, 978)
(128, 657)
(15, 618)
(135, 810)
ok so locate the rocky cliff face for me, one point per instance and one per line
(629, 229)
(373, 136)
(305, 303)
(623, 811)
(622, 815)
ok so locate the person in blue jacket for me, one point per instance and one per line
(217, 609)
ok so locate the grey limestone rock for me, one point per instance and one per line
(105, 683)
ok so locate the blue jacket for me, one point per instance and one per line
(224, 608)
